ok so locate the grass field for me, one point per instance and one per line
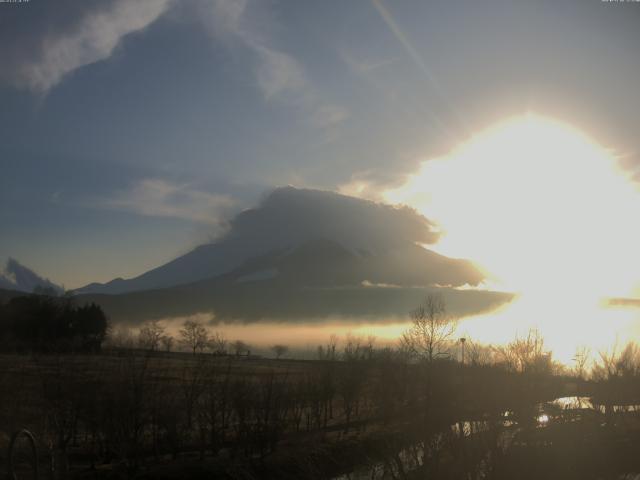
(137, 414)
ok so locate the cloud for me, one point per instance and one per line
(375, 242)
(225, 16)
(363, 184)
(623, 302)
(278, 72)
(329, 115)
(333, 254)
(44, 42)
(364, 67)
(15, 276)
(289, 216)
(279, 75)
(159, 198)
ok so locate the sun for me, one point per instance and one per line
(544, 210)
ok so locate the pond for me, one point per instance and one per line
(542, 427)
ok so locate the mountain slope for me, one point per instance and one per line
(303, 254)
(299, 284)
(280, 299)
(16, 276)
(291, 218)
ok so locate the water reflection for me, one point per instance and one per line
(587, 403)
(511, 433)
(543, 419)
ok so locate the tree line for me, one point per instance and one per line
(133, 409)
(47, 323)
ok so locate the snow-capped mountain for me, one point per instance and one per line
(303, 254)
(15, 276)
(316, 237)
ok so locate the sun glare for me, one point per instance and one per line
(549, 215)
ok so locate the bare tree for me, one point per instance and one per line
(353, 348)
(279, 350)
(332, 346)
(239, 347)
(617, 374)
(370, 346)
(193, 386)
(150, 335)
(629, 361)
(120, 337)
(217, 344)
(328, 352)
(527, 354)
(351, 379)
(167, 342)
(477, 354)
(431, 330)
(613, 365)
(581, 360)
(194, 336)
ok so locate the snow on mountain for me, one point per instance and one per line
(305, 233)
(15, 276)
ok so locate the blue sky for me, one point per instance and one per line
(129, 131)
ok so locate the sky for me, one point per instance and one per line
(131, 131)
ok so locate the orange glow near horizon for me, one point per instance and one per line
(549, 215)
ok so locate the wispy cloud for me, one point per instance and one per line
(326, 116)
(418, 60)
(160, 198)
(363, 184)
(279, 75)
(277, 72)
(406, 43)
(365, 67)
(67, 37)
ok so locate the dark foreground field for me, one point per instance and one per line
(132, 414)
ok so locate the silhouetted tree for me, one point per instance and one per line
(351, 379)
(527, 354)
(613, 365)
(329, 351)
(239, 347)
(581, 360)
(121, 337)
(151, 335)
(353, 348)
(217, 344)
(47, 323)
(431, 330)
(89, 326)
(370, 346)
(279, 350)
(477, 354)
(167, 342)
(194, 336)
